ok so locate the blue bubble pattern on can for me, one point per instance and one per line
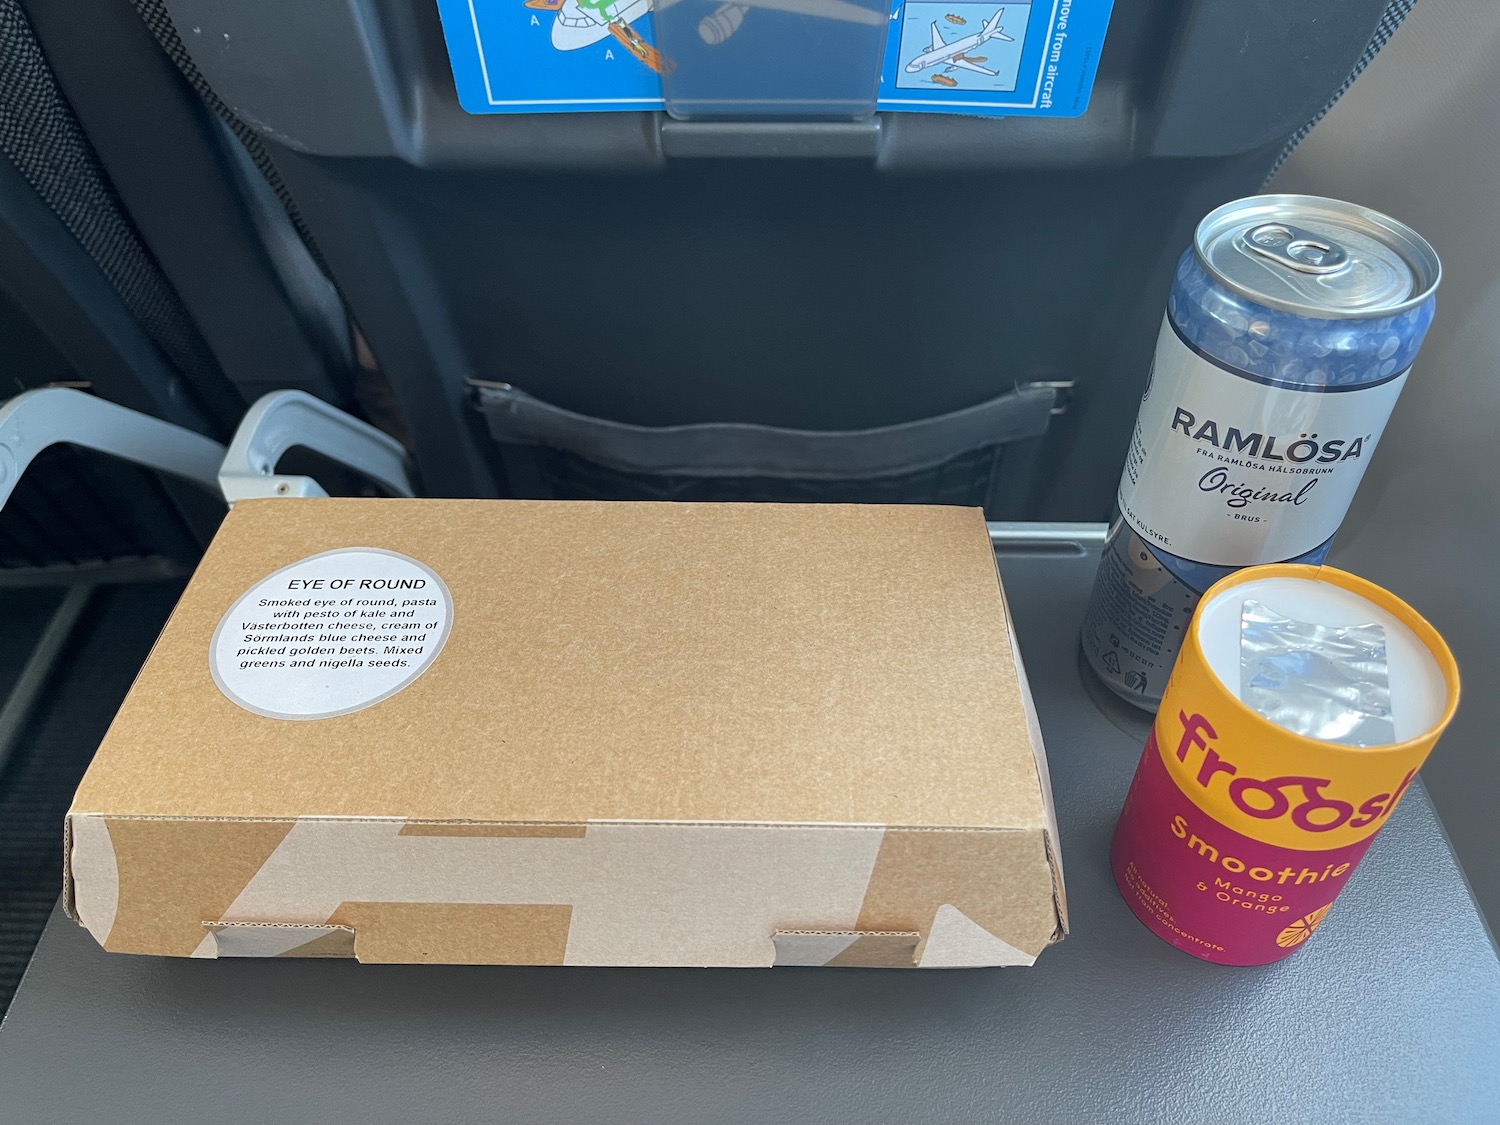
(1284, 348)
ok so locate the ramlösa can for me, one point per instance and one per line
(1290, 329)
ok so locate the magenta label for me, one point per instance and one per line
(1211, 891)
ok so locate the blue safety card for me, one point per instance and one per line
(577, 56)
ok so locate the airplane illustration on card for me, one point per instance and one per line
(951, 56)
(581, 23)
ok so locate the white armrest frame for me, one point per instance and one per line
(34, 420)
(283, 419)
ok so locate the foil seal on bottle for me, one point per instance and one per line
(1327, 682)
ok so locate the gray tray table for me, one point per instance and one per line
(1391, 1014)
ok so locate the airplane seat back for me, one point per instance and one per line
(909, 307)
(84, 303)
(139, 262)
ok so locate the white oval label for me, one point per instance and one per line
(331, 634)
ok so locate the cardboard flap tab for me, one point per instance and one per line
(865, 949)
(464, 933)
(275, 939)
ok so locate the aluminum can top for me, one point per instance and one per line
(1317, 257)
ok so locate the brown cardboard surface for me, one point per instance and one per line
(200, 864)
(463, 933)
(777, 663)
(633, 701)
(999, 880)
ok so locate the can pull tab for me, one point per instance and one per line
(1296, 248)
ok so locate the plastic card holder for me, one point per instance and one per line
(770, 59)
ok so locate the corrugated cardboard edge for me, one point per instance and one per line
(1039, 756)
(67, 868)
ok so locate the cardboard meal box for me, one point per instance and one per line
(578, 733)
